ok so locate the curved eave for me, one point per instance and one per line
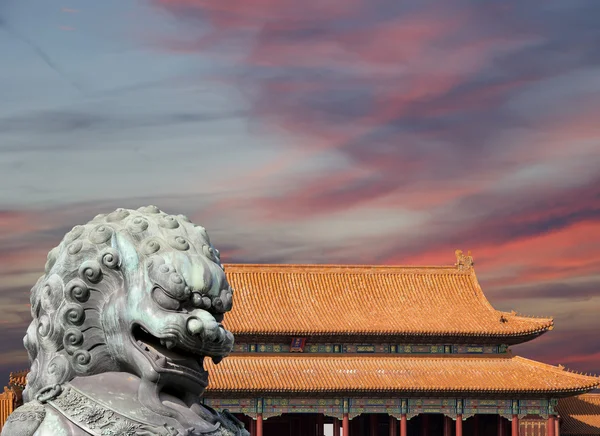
(408, 392)
(261, 332)
(510, 338)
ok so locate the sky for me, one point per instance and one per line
(315, 131)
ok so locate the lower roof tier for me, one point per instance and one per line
(505, 374)
(18, 379)
(580, 415)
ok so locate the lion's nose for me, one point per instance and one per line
(195, 326)
(208, 328)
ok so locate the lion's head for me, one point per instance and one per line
(132, 291)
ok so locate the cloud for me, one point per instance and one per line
(433, 110)
(15, 223)
(57, 121)
(13, 360)
(39, 52)
(572, 290)
(458, 113)
(366, 75)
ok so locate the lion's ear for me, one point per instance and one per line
(126, 248)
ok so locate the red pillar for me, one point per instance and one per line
(515, 426)
(557, 426)
(373, 425)
(252, 427)
(500, 426)
(336, 427)
(403, 424)
(459, 423)
(393, 431)
(446, 426)
(550, 427)
(259, 425)
(346, 425)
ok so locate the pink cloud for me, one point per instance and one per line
(15, 223)
(586, 359)
(231, 14)
(557, 255)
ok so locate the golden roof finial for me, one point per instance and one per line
(561, 367)
(464, 262)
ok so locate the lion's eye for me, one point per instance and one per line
(163, 300)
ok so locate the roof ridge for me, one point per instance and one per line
(452, 268)
(464, 264)
(559, 369)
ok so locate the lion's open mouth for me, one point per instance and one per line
(167, 355)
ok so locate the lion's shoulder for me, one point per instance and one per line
(230, 425)
(25, 420)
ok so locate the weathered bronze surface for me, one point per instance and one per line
(128, 308)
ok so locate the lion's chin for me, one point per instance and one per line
(176, 365)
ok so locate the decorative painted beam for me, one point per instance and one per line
(366, 348)
(336, 407)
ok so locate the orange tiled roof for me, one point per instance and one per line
(381, 373)
(381, 300)
(580, 415)
(18, 378)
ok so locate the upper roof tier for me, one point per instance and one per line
(424, 303)
(18, 378)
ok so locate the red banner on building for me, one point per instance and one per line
(298, 345)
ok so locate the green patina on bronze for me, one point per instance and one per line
(128, 308)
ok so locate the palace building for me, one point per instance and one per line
(11, 398)
(580, 415)
(388, 350)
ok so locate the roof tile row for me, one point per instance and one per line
(381, 300)
(580, 415)
(381, 373)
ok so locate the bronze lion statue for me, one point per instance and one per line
(129, 307)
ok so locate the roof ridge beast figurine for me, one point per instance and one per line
(128, 308)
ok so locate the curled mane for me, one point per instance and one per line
(66, 337)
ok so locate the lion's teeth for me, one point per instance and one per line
(169, 344)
